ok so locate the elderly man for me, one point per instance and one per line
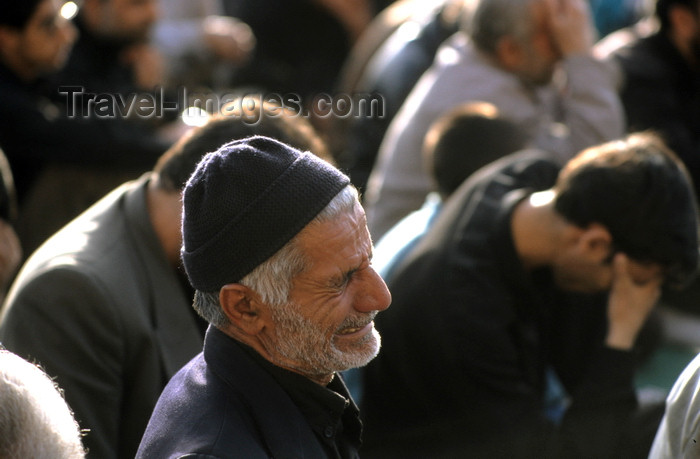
(104, 305)
(277, 248)
(506, 56)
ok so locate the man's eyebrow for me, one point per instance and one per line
(349, 273)
(352, 271)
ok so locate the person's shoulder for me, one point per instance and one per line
(523, 163)
(678, 430)
(529, 169)
(90, 235)
(199, 416)
(640, 49)
(92, 249)
(687, 383)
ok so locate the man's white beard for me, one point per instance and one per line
(304, 344)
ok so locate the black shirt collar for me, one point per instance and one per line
(332, 414)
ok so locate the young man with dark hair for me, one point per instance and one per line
(510, 283)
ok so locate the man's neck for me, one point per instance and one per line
(164, 210)
(535, 226)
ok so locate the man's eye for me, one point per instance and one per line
(342, 283)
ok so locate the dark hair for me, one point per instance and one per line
(466, 139)
(641, 192)
(16, 13)
(663, 9)
(268, 119)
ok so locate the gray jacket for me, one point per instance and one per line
(100, 307)
(585, 112)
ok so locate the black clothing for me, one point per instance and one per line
(661, 91)
(333, 416)
(471, 333)
(35, 131)
(95, 63)
(300, 46)
(230, 403)
(100, 307)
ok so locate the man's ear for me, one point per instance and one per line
(595, 242)
(242, 308)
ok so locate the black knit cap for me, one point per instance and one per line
(244, 202)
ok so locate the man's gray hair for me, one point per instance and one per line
(272, 279)
(491, 20)
(35, 420)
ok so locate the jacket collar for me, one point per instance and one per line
(282, 426)
(175, 326)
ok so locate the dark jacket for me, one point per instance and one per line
(103, 311)
(661, 91)
(223, 404)
(471, 336)
(36, 130)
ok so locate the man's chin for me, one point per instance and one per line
(356, 357)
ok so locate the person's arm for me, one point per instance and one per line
(604, 400)
(65, 321)
(590, 111)
(507, 396)
(601, 408)
(629, 305)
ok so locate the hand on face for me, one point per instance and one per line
(570, 25)
(229, 38)
(635, 290)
